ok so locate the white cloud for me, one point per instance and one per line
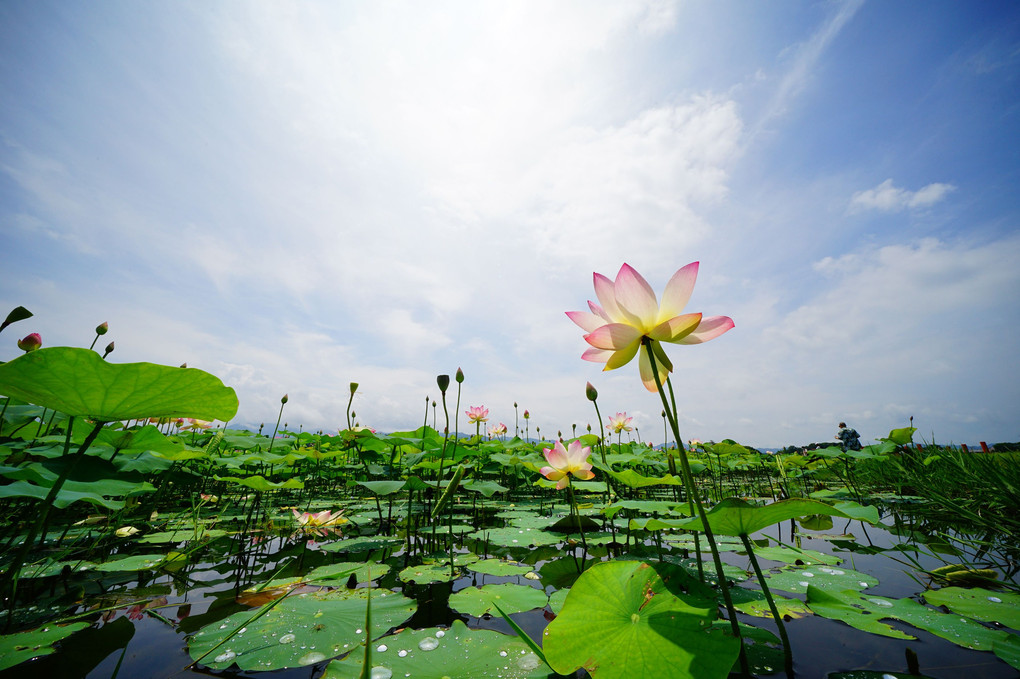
(888, 198)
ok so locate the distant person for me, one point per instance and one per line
(849, 438)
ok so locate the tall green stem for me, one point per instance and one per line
(787, 651)
(692, 492)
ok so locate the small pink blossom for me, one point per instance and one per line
(195, 425)
(497, 430)
(565, 461)
(620, 423)
(477, 414)
(30, 342)
(319, 523)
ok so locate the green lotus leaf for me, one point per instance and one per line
(516, 537)
(17, 648)
(477, 601)
(1008, 650)
(437, 653)
(753, 602)
(980, 604)
(486, 488)
(499, 567)
(828, 578)
(424, 574)
(79, 382)
(808, 557)
(864, 611)
(362, 543)
(733, 516)
(364, 572)
(383, 488)
(301, 630)
(632, 619)
(259, 483)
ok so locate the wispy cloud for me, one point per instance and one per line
(888, 198)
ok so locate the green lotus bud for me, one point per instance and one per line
(460, 376)
(284, 399)
(109, 349)
(102, 328)
(354, 387)
(590, 392)
(444, 382)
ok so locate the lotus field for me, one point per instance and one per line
(143, 536)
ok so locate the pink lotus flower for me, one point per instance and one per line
(319, 523)
(30, 342)
(195, 425)
(564, 461)
(497, 429)
(629, 314)
(477, 414)
(620, 423)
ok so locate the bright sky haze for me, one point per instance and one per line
(296, 196)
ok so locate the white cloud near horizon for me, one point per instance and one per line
(889, 198)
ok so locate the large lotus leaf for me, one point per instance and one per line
(864, 612)
(79, 382)
(64, 498)
(753, 602)
(486, 488)
(563, 572)
(17, 648)
(436, 653)
(1008, 650)
(632, 479)
(301, 630)
(820, 577)
(259, 483)
(788, 554)
(632, 619)
(477, 601)
(499, 567)
(383, 487)
(516, 537)
(424, 574)
(137, 562)
(980, 604)
(362, 543)
(733, 516)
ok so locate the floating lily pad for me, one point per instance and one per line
(627, 619)
(425, 573)
(364, 543)
(436, 653)
(343, 570)
(49, 568)
(557, 599)
(301, 630)
(827, 578)
(807, 557)
(753, 602)
(477, 601)
(516, 537)
(138, 562)
(980, 604)
(499, 567)
(17, 648)
(864, 612)
(1009, 650)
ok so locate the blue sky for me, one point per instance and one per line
(294, 196)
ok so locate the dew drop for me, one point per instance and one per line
(808, 574)
(440, 634)
(382, 648)
(357, 631)
(311, 658)
(226, 656)
(863, 584)
(502, 654)
(428, 643)
(995, 599)
(888, 676)
(836, 571)
(803, 583)
(402, 653)
(380, 672)
(287, 639)
(881, 602)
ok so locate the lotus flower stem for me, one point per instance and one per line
(787, 651)
(692, 492)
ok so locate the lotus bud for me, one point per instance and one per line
(30, 342)
(444, 382)
(284, 399)
(354, 387)
(102, 328)
(184, 365)
(590, 392)
(109, 349)
(459, 376)
(527, 415)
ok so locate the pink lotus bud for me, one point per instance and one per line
(102, 328)
(459, 376)
(30, 343)
(109, 349)
(284, 399)
(590, 392)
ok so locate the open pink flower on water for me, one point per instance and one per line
(563, 461)
(619, 423)
(477, 414)
(628, 313)
(319, 522)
